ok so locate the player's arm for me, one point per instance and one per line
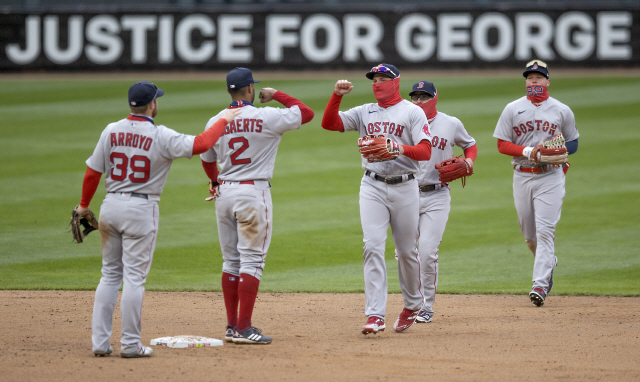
(89, 187)
(572, 146)
(511, 149)
(470, 153)
(211, 169)
(209, 137)
(267, 94)
(331, 119)
(419, 152)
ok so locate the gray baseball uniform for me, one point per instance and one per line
(538, 196)
(246, 154)
(136, 156)
(383, 205)
(435, 199)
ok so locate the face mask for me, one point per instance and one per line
(387, 93)
(537, 93)
(429, 107)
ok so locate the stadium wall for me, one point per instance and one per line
(304, 39)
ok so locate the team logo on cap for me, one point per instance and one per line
(420, 85)
(535, 66)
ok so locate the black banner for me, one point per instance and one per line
(299, 40)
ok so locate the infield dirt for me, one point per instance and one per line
(316, 337)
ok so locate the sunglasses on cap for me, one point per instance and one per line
(540, 63)
(383, 69)
(421, 97)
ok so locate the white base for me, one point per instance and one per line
(186, 342)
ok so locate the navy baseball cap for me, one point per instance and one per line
(239, 78)
(536, 66)
(424, 86)
(383, 68)
(143, 93)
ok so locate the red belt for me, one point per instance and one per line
(534, 170)
(243, 182)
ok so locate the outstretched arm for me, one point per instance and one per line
(288, 101)
(331, 119)
(209, 137)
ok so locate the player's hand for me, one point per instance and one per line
(266, 94)
(214, 191)
(230, 114)
(81, 210)
(342, 87)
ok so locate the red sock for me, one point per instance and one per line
(247, 291)
(230, 292)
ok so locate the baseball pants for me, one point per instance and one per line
(538, 200)
(434, 214)
(244, 213)
(383, 205)
(128, 229)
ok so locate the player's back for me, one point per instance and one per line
(248, 146)
(136, 155)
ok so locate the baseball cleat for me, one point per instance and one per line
(101, 353)
(231, 332)
(374, 325)
(406, 319)
(143, 351)
(424, 317)
(537, 296)
(251, 336)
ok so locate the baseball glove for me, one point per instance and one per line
(82, 225)
(552, 151)
(378, 148)
(454, 168)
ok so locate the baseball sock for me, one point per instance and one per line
(230, 292)
(248, 291)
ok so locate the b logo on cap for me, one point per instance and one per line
(421, 85)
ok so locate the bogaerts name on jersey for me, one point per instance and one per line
(246, 125)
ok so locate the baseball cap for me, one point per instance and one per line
(143, 93)
(424, 86)
(239, 78)
(383, 68)
(536, 66)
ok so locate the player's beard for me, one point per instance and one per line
(536, 96)
(429, 107)
(387, 93)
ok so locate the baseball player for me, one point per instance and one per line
(135, 154)
(388, 191)
(538, 187)
(246, 153)
(435, 198)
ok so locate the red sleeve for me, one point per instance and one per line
(509, 148)
(421, 151)
(89, 186)
(211, 169)
(288, 101)
(209, 137)
(472, 152)
(331, 119)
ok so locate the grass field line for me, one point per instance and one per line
(217, 99)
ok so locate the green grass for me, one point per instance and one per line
(49, 128)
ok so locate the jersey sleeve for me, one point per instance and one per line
(419, 126)
(503, 127)
(462, 137)
(281, 120)
(175, 145)
(569, 128)
(97, 161)
(351, 118)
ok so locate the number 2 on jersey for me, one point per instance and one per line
(244, 144)
(136, 168)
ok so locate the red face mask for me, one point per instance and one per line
(537, 93)
(429, 107)
(387, 93)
